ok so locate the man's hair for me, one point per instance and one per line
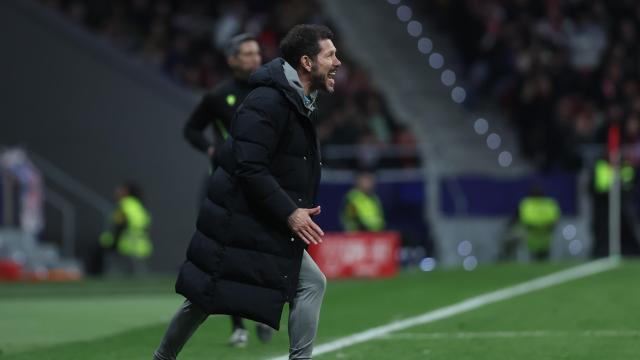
(303, 39)
(233, 45)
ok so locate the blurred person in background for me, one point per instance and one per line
(602, 183)
(538, 215)
(362, 209)
(216, 109)
(560, 68)
(127, 243)
(248, 256)
(177, 39)
(15, 161)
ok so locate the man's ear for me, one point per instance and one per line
(307, 64)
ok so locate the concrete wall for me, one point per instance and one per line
(100, 117)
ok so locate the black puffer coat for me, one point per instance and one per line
(243, 259)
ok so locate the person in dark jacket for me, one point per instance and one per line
(215, 111)
(217, 107)
(248, 254)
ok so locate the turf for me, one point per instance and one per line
(592, 318)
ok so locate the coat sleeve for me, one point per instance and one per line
(256, 132)
(201, 117)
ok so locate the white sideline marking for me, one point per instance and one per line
(509, 334)
(472, 303)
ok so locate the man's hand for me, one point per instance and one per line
(210, 151)
(301, 224)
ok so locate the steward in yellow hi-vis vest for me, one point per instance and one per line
(602, 176)
(362, 210)
(127, 236)
(538, 215)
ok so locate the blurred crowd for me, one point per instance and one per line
(564, 70)
(185, 40)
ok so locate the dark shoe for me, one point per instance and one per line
(264, 332)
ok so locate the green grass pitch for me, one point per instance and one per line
(597, 317)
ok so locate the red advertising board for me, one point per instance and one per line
(357, 254)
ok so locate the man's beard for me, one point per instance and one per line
(243, 74)
(318, 80)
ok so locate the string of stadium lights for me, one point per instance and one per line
(480, 126)
(448, 78)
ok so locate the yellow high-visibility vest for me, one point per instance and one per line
(134, 240)
(603, 176)
(362, 209)
(539, 214)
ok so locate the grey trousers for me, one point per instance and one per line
(304, 314)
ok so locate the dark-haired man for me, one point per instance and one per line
(217, 107)
(248, 256)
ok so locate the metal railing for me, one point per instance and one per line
(53, 173)
(68, 212)
(66, 207)
(7, 199)
(388, 156)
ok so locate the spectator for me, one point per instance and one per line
(126, 243)
(563, 69)
(184, 40)
(538, 215)
(362, 210)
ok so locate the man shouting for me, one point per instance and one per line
(247, 256)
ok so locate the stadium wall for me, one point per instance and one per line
(102, 119)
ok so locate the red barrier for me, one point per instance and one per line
(10, 270)
(357, 254)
